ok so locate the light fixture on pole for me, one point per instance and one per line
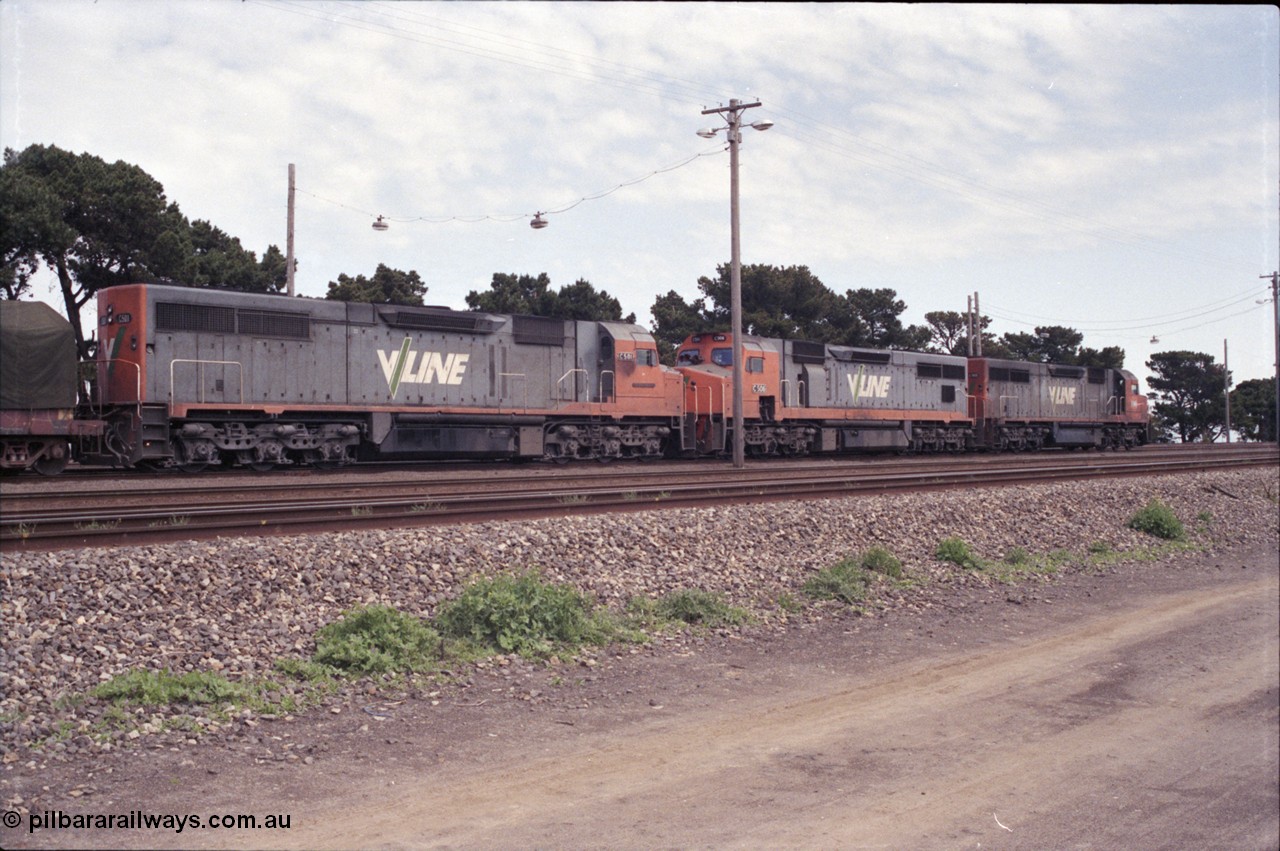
(538, 222)
(733, 114)
(380, 224)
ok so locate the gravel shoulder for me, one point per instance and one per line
(639, 717)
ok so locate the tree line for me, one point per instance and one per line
(97, 224)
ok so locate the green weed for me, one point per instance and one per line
(377, 639)
(847, 581)
(523, 614)
(1158, 519)
(140, 687)
(956, 551)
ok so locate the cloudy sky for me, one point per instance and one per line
(1109, 168)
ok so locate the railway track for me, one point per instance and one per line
(57, 517)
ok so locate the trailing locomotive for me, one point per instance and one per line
(195, 377)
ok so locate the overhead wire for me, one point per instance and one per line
(1094, 325)
(512, 217)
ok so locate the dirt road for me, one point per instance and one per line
(1139, 710)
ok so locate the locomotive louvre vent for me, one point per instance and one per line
(1097, 375)
(537, 330)
(1058, 371)
(275, 323)
(953, 371)
(427, 319)
(804, 351)
(861, 355)
(998, 373)
(928, 370)
(171, 316)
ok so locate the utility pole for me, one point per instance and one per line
(1226, 387)
(968, 323)
(733, 114)
(288, 253)
(977, 324)
(1275, 305)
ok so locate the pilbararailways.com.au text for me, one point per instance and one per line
(140, 820)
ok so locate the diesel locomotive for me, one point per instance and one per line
(193, 378)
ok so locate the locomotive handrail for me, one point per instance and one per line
(800, 386)
(614, 383)
(101, 389)
(521, 376)
(559, 389)
(200, 375)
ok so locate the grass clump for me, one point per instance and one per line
(374, 640)
(140, 687)
(702, 608)
(523, 614)
(880, 560)
(956, 551)
(846, 581)
(1158, 519)
(1017, 557)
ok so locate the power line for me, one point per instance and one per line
(512, 217)
(1093, 326)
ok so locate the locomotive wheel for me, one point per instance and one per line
(248, 458)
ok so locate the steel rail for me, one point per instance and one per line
(102, 525)
(197, 491)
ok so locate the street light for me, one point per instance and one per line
(733, 113)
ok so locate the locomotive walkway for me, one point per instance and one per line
(108, 510)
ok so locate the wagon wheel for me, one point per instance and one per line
(47, 465)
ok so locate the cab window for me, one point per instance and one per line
(647, 357)
(722, 357)
(755, 364)
(689, 357)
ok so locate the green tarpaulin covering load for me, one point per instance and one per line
(37, 357)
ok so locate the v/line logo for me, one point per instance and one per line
(871, 386)
(1062, 395)
(408, 366)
